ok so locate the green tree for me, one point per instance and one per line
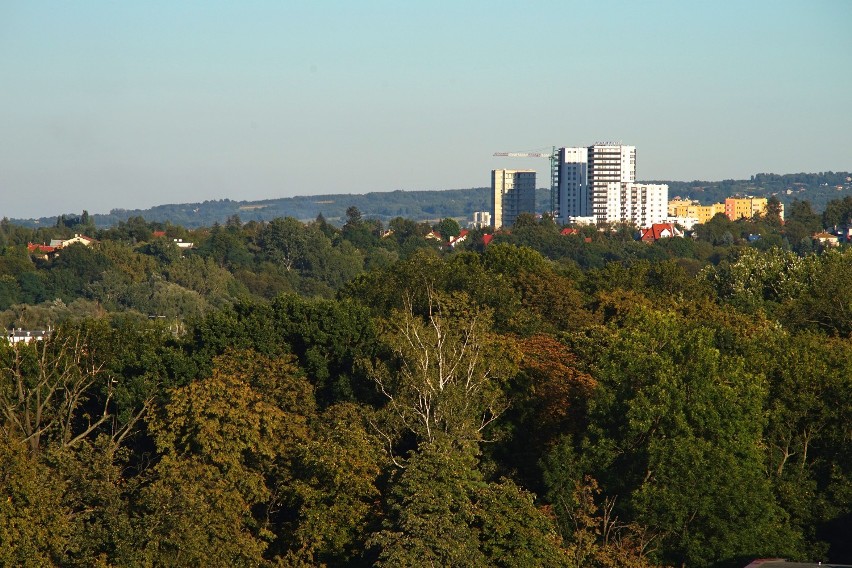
(801, 212)
(447, 228)
(97, 496)
(35, 527)
(10, 291)
(54, 393)
(227, 247)
(336, 490)
(806, 445)
(431, 518)
(773, 211)
(441, 512)
(222, 441)
(283, 241)
(824, 301)
(837, 212)
(675, 431)
(330, 338)
(751, 279)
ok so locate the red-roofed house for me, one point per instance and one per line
(570, 231)
(658, 231)
(486, 239)
(41, 250)
(456, 240)
(82, 239)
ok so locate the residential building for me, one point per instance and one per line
(82, 239)
(573, 199)
(584, 177)
(744, 207)
(685, 208)
(659, 231)
(182, 245)
(24, 336)
(637, 203)
(47, 252)
(679, 202)
(43, 252)
(512, 193)
(827, 239)
(609, 163)
(460, 238)
(480, 219)
(588, 220)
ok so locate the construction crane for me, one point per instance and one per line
(554, 170)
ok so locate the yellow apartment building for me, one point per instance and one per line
(744, 207)
(686, 208)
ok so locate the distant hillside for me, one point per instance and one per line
(419, 205)
(819, 189)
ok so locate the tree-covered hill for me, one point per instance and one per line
(416, 205)
(456, 203)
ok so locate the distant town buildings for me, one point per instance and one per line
(82, 239)
(688, 212)
(480, 220)
(512, 193)
(597, 184)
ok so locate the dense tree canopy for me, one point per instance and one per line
(297, 394)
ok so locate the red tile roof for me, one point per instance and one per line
(461, 236)
(40, 248)
(658, 231)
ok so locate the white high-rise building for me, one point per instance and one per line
(637, 203)
(573, 199)
(609, 163)
(585, 174)
(512, 193)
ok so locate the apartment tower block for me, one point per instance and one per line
(585, 175)
(512, 193)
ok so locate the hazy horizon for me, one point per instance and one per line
(131, 106)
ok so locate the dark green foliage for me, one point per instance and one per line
(442, 512)
(329, 338)
(296, 394)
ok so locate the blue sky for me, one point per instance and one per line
(132, 104)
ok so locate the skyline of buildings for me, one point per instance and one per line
(584, 177)
(593, 184)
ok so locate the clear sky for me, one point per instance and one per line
(132, 104)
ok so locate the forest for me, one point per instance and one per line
(305, 394)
